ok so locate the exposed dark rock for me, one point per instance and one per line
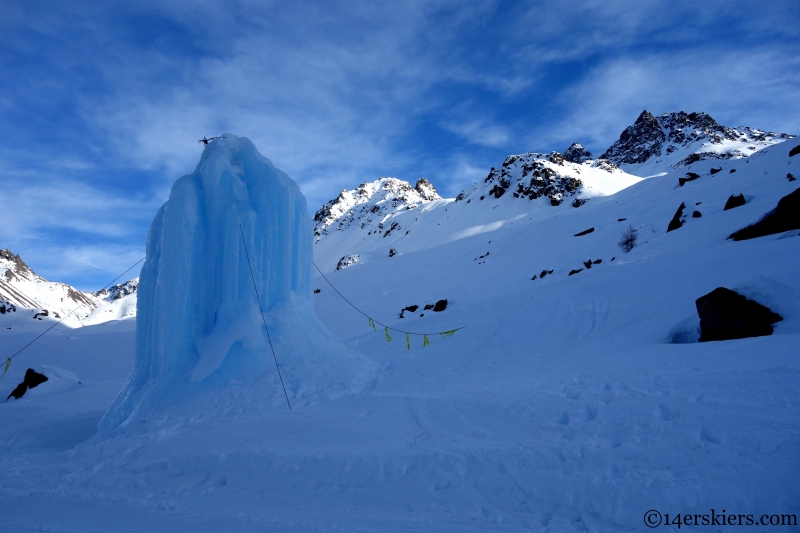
(32, 379)
(732, 171)
(676, 221)
(794, 151)
(575, 271)
(725, 314)
(392, 252)
(44, 312)
(584, 232)
(577, 154)
(497, 191)
(621, 219)
(588, 264)
(410, 309)
(690, 176)
(317, 291)
(597, 261)
(428, 306)
(441, 305)
(426, 190)
(715, 170)
(785, 217)
(734, 201)
(346, 261)
(697, 214)
(638, 142)
(577, 202)
(790, 177)
(556, 158)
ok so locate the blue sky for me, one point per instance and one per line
(103, 102)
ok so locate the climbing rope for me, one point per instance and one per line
(252, 276)
(371, 321)
(8, 359)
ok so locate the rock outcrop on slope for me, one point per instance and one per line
(535, 175)
(680, 138)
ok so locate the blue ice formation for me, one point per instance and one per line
(199, 332)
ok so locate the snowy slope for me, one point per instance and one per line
(654, 144)
(561, 405)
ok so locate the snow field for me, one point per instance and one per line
(561, 405)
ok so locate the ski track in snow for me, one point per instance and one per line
(561, 406)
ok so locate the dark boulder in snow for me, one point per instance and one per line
(392, 252)
(575, 271)
(785, 217)
(715, 170)
(317, 291)
(697, 214)
(676, 221)
(584, 232)
(441, 305)
(577, 202)
(725, 314)
(790, 177)
(734, 201)
(794, 151)
(32, 379)
(577, 154)
(690, 176)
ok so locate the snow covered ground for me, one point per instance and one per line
(560, 406)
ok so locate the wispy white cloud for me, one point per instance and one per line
(758, 88)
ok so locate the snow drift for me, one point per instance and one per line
(199, 329)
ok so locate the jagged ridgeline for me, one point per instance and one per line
(680, 139)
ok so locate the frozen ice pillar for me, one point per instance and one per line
(200, 341)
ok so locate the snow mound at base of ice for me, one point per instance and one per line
(201, 345)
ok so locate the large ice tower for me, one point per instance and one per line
(200, 340)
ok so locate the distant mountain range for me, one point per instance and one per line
(388, 216)
(25, 295)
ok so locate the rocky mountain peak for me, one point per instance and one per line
(369, 204)
(577, 154)
(684, 138)
(637, 143)
(426, 190)
(13, 267)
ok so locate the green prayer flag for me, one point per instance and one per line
(388, 337)
(425, 341)
(408, 343)
(371, 323)
(8, 363)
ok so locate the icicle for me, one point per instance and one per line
(388, 337)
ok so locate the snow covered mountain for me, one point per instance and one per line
(25, 295)
(388, 217)
(653, 144)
